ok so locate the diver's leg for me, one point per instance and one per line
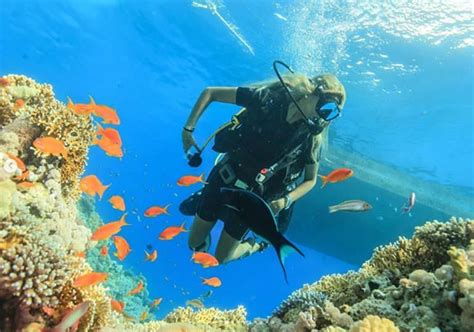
(200, 233)
(229, 248)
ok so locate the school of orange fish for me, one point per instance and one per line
(109, 140)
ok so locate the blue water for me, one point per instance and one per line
(407, 72)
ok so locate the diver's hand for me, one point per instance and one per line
(188, 140)
(277, 205)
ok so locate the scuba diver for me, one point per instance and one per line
(272, 148)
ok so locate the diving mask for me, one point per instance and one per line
(328, 110)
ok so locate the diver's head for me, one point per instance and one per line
(325, 102)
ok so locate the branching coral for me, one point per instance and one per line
(229, 320)
(300, 300)
(31, 273)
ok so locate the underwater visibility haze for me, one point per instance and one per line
(96, 97)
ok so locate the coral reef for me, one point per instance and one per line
(45, 230)
(424, 283)
(47, 117)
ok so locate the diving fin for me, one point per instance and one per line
(284, 248)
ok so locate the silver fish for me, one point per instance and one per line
(411, 203)
(195, 303)
(350, 206)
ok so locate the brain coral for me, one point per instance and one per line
(54, 119)
(373, 323)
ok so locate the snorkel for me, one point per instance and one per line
(327, 111)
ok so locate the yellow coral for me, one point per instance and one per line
(460, 262)
(373, 323)
(54, 119)
(228, 320)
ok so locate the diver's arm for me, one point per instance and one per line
(208, 95)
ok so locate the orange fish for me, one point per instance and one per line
(117, 305)
(4, 82)
(137, 289)
(170, 232)
(106, 231)
(104, 250)
(26, 185)
(337, 175)
(205, 259)
(19, 163)
(49, 311)
(122, 246)
(82, 109)
(91, 185)
(108, 114)
(23, 177)
(110, 149)
(214, 282)
(81, 254)
(19, 103)
(89, 279)
(189, 180)
(117, 202)
(144, 315)
(156, 302)
(156, 211)
(50, 145)
(111, 133)
(151, 257)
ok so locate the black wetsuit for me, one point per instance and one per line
(264, 138)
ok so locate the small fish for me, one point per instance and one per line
(122, 246)
(104, 251)
(206, 294)
(170, 232)
(81, 109)
(106, 113)
(112, 134)
(156, 211)
(25, 185)
(411, 203)
(196, 303)
(137, 289)
(4, 82)
(89, 279)
(49, 311)
(350, 206)
(19, 163)
(91, 185)
(23, 176)
(144, 315)
(51, 145)
(81, 254)
(281, 17)
(337, 175)
(117, 305)
(214, 281)
(104, 232)
(205, 259)
(19, 103)
(72, 318)
(151, 257)
(189, 180)
(110, 149)
(156, 302)
(117, 202)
